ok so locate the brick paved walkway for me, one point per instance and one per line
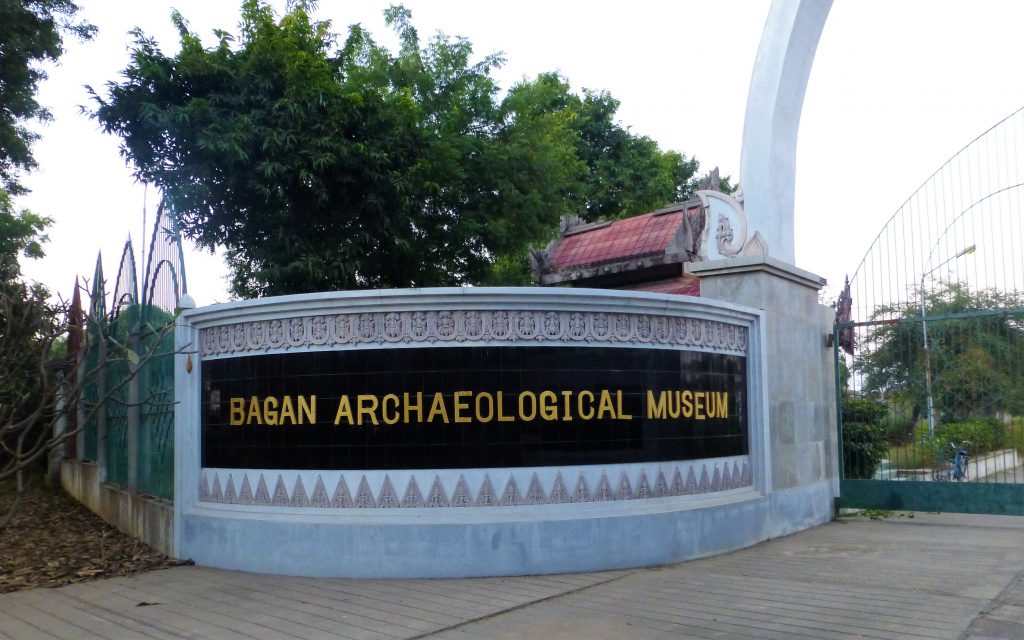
(931, 576)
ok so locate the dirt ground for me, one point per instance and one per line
(54, 541)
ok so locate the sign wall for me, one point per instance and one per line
(472, 407)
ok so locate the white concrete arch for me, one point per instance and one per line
(774, 104)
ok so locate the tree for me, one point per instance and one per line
(41, 383)
(627, 174)
(24, 315)
(624, 174)
(320, 165)
(31, 33)
(975, 358)
(26, 334)
(21, 235)
(27, 338)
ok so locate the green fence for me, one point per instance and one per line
(119, 399)
(933, 400)
(930, 342)
(937, 398)
(156, 432)
(108, 363)
(90, 397)
(128, 360)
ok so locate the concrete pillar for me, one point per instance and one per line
(187, 393)
(800, 374)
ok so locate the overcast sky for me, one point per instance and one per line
(897, 87)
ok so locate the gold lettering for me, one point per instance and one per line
(533, 406)
(287, 411)
(656, 408)
(254, 411)
(482, 407)
(548, 405)
(462, 406)
(687, 401)
(480, 416)
(589, 413)
(673, 404)
(392, 416)
(437, 408)
(501, 410)
(367, 405)
(270, 410)
(344, 411)
(722, 398)
(237, 412)
(307, 411)
(618, 403)
(409, 407)
(605, 405)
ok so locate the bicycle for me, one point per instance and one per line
(954, 466)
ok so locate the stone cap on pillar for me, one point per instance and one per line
(755, 264)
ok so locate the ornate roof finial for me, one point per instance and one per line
(710, 182)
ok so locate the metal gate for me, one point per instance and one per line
(131, 436)
(929, 343)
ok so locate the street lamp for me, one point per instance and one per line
(924, 329)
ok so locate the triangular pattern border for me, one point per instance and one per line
(633, 483)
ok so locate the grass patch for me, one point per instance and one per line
(913, 455)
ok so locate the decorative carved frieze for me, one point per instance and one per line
(714, 475)
(469, 326)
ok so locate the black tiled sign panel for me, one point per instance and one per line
(472, 407)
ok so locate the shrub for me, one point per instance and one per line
(984, 434)
(863, 449)
(858, 409)
(863, 436)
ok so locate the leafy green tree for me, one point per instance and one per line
(31, 33)
(625, 174)
(26, 338)
(321, 167)
(977, 363)
(23, 311)
(324, 164)
(22, 234)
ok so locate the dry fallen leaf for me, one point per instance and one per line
(54, 541)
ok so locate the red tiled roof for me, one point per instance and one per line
(632, 237)
(684, 285)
